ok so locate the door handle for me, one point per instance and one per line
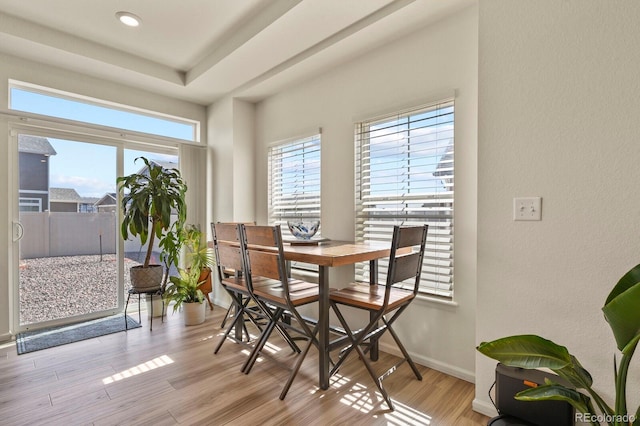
(19, 231)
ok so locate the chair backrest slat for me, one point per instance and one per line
(264, 264)
(263, 254)
(226, 248)
(229, 257)
(226, 231)
(405, 266)
(260, 236)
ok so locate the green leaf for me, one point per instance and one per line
(627, 281)
(527, 351)
(556, 392)
(576, 374)
(622, 310)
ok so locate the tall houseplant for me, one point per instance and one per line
(185, 290)
(149, 199)
(622, 312)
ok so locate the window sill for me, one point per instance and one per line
(425, 299)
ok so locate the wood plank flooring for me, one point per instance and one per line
(170, 376)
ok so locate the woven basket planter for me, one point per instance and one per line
(146, 279)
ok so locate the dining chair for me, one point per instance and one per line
(279, 296)
(227, 273)
(229, 266)
(382, 300)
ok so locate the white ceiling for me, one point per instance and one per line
(201, 50)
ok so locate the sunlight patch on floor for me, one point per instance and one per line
(358, 397)
(139, 369)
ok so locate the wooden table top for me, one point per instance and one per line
(337, 253)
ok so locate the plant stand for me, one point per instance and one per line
(150, 293)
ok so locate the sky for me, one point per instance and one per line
(89, 168)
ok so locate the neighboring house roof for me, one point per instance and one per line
(89, 200)
(108, 199)
(67, 195)
(35, 145)
(164, 164)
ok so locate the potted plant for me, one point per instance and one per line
(622, 312)
(150, 198)
(185, 290)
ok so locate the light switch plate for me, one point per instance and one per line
(527, 208)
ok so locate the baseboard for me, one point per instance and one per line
(222, 303)
(443, 367)
(484, 407)
(7, 337)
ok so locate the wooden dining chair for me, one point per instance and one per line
(227, 273)
(383, 300)
(279, 296)
(229, 266)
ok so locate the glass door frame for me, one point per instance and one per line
(82, 134)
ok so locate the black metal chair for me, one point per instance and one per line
(405, 262)
(278, 295)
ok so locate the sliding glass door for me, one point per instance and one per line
(67, 212)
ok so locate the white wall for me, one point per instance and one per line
(407, 72)
(558, 118)
(231, 170)
(30, 72)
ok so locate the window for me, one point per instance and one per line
(404, 176)
(294, 181)
(30, 204)
(53, 103)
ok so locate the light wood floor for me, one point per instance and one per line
(170, 376)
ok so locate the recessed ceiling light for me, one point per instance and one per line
(129, 19)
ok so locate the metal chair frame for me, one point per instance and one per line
(264, 262)
(402, 266)
(229, 264)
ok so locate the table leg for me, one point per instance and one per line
(373, 280)
(323, 327)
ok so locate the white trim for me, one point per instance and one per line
(28, 122)
(483, 407)
(425, 298)
(424, 101)
(303, 135)
(443, 367)
(6, 338)
(32, 191)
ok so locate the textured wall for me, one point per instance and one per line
(558, 118)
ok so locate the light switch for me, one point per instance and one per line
(527, 208)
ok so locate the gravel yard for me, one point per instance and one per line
(58, 287)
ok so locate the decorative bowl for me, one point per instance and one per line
(303, 229)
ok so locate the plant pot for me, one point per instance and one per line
(146, 279)
(193, 313)
(207, 286)
(157, 305)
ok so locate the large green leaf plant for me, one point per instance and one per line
(148, 202)
(622, 312)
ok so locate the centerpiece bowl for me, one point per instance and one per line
(303, 229)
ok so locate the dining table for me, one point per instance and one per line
(328, 254)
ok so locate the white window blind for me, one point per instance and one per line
(294, 181)
(405, 176)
